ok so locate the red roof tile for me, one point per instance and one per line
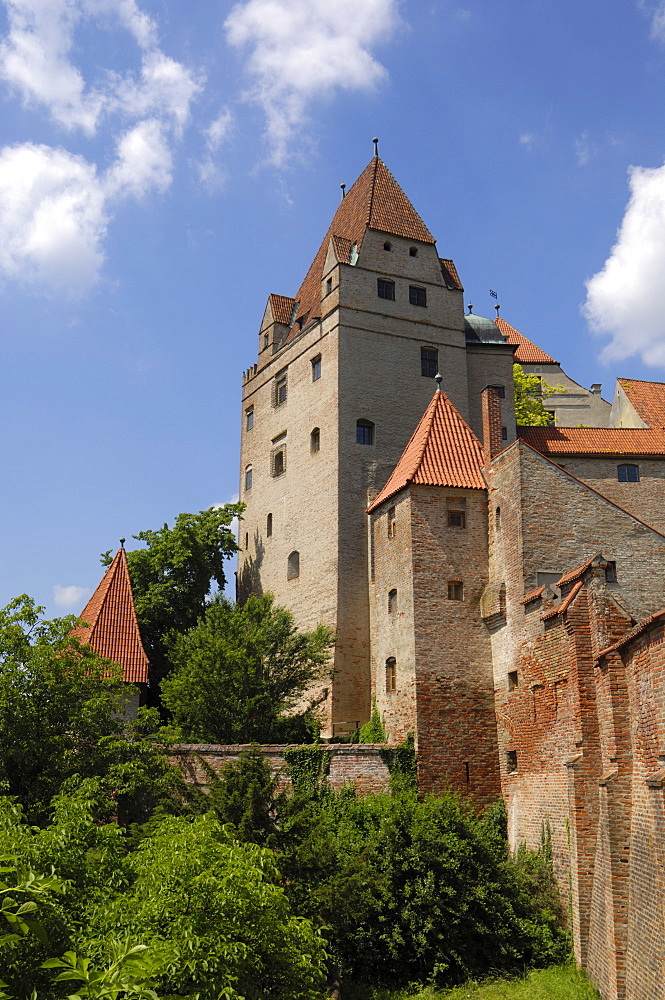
(527, 353)
(648, 398)
(533, 595)
(565, 604)
(112, 628)
(443, 451)
(282, 307)
(376, 201)
(633, 633)
(450, 275)
(575, 574)
(594, 440)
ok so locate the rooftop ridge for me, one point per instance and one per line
(594, 440)
(527, 352)
(647, 399)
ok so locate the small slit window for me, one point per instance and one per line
(429, 362)
(511, 761)
(455, 590)
(417, 296)
(628, 473)
(328, 286)
(512, 680)
(365, 432)
(269, 525)
(387, 245)
(611, 572)
(315, 441)
(504, 433)
(247, 539)
(293, 566)
(413, 251)
(391, 674)
(316, 368)
(249, 418)
(266, 341)
(385, 289)
(392, 602)
(392, 524)
(248, 477)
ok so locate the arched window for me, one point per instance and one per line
(293, 566)
(628, 473)
(365, 432)
(392, 602)
(391, 674)
(248, 477)
(315, 441)
(269, 525)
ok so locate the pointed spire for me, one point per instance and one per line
(112, 628)
(443, 451)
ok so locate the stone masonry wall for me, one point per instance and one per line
(643, 499)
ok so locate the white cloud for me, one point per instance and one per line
(527, 139)
(69, 597)
(301, 50)
(164, 87)
(584, 148)
(656, 13)
(52, 218)
(144, 162)
(217, 132)
(626, 299)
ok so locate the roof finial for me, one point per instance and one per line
(343, 187)
(122, 543)
(438, 378)
(470, 307)
(376, 146)
(497, 307)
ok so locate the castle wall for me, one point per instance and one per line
(490, 364)
(643, 499)
(574, 405)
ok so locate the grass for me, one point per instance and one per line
(563, 982)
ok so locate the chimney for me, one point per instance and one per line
(596, 387)
(492, 439)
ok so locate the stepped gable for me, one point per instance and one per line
(594, 440)
(443, 451)
(527, 352)
(376, 201)
(112, 628)
(648, 399)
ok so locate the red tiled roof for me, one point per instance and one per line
(450, 275)
(282, 307)
(575, 574)
(594, 440)
(565, 604)
(648, 398)
(533, 595)
(112, 628)
(633, 633)
(443, 451)
(376, 201)
(527, 353)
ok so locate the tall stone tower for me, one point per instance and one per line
(344, 373)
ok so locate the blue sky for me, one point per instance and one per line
(164, 166)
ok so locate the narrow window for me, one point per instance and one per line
(247, 539)
(266, 341)
(293, 566)
(628, 473)
(392, 602)
(248, 477)
(457, 519)
(316, 368)
(328, 286)
(455, 590)
(511, 761)
(269, 526)
(365, 432)
(391, 674)
(413, 251)
(504, 433)
(429, 362)
(385, 289)
(279, 390)
(417, 296)
(315, 441)
(611, 572)
(502, 600)
(468, 775)
(279, 462)
(497, 517)
(392, 524)
(512, 680)
(249, 418)
(387, 245)
(500, 390)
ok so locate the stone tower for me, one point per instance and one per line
(344, 373)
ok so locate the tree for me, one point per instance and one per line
(61, 715)
(172, 577)
(530, 390)
(240, 672)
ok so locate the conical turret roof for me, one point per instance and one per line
(376, 201)
(112, 628)
(443, 451)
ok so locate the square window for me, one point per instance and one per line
(385, 289)
(413, 251)
(417, 296)
(365, 432)
(628, 473)
(316, 368)
(249, 418)
(455, 590)
(456, 519)
(429, 362)
(280, 387)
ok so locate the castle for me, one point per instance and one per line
(497, 590)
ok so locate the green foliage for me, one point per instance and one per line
(402, 763)
(530, 390)
(173, 576)
(307, 766)
(240, 672)
(130, 973)
(247, 794)
(373, 731)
